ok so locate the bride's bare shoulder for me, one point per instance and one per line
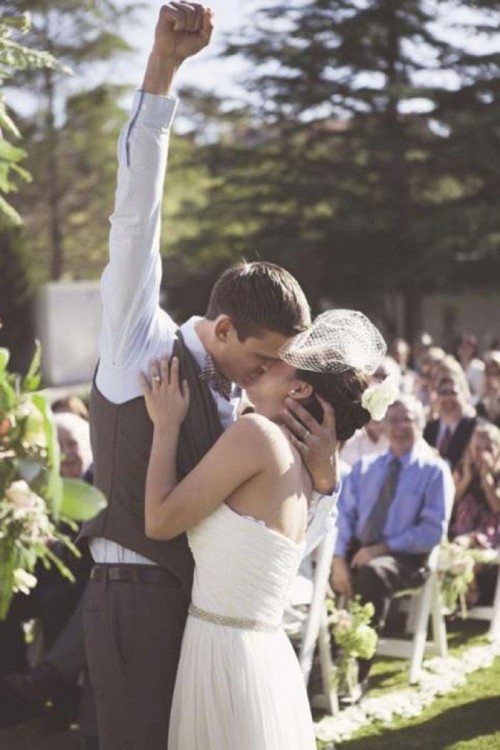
(258, 431)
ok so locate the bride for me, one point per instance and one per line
(245, 508)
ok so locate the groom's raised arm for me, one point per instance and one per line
(130, 285)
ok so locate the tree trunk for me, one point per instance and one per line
(53, 188)
(412, 312)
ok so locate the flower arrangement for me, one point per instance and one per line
(456, 571)
(355, 638)
(34, 499)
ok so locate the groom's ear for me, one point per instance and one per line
(223, 328)
(301, 390)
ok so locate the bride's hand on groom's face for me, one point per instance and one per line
(317, 443)
(167, 400)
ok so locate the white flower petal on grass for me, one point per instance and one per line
(440, 676)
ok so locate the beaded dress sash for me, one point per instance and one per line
(232, 622)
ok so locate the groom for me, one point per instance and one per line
(137, 599)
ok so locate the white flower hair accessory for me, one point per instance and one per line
(377, 398)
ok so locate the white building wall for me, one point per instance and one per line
(67, 322)
(478, 312)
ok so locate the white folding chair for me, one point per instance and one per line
(306, 624)
(491, 613)
(425, 604)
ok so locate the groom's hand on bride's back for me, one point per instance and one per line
(183, 29)
(317, 443)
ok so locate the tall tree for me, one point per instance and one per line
(14, 56)
(86, 148)
(355, 181)
(468, 118)
(80, 33)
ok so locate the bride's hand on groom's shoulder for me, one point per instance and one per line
(167, 399)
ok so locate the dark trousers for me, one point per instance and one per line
(133, 635)
(379, 580)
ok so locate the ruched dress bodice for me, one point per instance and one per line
(242, 568)
(239, 684)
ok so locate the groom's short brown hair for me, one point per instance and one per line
(260, 296)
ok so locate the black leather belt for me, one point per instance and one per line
(132, 574)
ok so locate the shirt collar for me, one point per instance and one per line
(406, 459)
(193, 341)
(443, 426)
(195, 346)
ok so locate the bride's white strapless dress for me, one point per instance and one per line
(239, 685)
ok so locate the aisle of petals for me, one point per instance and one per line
(439, 677)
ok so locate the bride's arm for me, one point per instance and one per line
(240, 453)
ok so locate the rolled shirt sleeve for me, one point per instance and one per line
(133, 324)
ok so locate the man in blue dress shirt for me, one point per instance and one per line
(393, 509)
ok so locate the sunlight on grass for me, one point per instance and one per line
(467, 719)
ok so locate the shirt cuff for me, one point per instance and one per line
(321, 518)
(153, 109)
(324, 500)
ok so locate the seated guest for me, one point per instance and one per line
(369, 441)
(466, 351)
(73, 435)
(449, 367)
(421, 345)
(400, 353)
(393, 510)
(488, 406)
(428, 364)
(72, 404)
(476, 515)
(451, 431)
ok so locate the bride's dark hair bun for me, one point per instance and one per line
(343, 391)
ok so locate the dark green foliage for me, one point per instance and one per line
(81, 34)
(86, 151)
(16, 297)
(369, 167)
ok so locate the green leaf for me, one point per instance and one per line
(35, 432)
(9, 214)
(4, 358)
(32, 378)
(54, 482)
(81, 501)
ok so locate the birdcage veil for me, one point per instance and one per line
(338, 340)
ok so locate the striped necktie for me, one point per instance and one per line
(444, 443)
(374, 525)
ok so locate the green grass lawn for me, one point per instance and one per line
(467, 719)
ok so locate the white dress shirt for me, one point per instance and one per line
(360, 445)
(134, 327)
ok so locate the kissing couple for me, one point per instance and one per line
(183, 637)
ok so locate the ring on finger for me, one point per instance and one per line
(156, 378)
(306, 434)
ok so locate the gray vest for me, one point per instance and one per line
(121, 436)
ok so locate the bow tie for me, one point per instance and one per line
(213, 376)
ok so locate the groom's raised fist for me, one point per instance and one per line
(183, 29)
